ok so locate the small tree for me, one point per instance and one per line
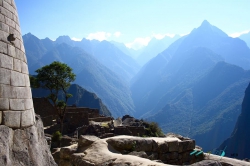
(56, 77)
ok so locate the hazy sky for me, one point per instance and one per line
(129, 21)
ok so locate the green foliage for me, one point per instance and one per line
(133, 146)
(57, 136)
(34, 82)
(56, 78)
(153, 129)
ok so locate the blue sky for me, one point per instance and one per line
(129, 21)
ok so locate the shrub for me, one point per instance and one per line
(57, 136)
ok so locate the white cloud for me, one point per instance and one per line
(117, 34)
(138, 43)
(237, 34)
(161, 36)
(76, 39)
(98, 36)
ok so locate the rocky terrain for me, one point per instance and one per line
(135, 151)
(25, 147)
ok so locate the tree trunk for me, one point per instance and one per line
(61, 128)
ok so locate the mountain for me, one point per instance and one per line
(81, 98)
(128, 51)
(90, 74)
(246, 38)
(108, 54)
(154, 47)
(233, 50)
(237, 145)
(182, 86)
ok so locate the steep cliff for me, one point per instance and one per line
(239, 142)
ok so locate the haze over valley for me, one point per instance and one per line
(190, 82)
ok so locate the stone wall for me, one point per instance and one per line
(136, 131)
(16, 106)
(100, 119)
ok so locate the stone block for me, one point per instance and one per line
(4, 104)
(0, 117)
(1, 2)
(163, 147)
(15, 18)
(24, 68)
(27, 80)
(4, 36)
(4, 91)
(6, 61)
(11, 119)
(10, 22)
(17, 79)
(17, 104)
(7, 5)
(19, 54)
(21, 92)
(22, 48)
(4, 27)
(17, 65)
(186, 145)
(144, 145)
(173, 146)
(6, 12)
(5, 76)
(191, 145)
(27, 118)
(2, 19)
(3, 47)
(28, 104)
(11, 50)
(9, 1)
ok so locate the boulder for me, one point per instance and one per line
(86, 140)
(66, 152)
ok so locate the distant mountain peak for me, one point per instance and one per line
(30, 36)
(63, 38)
(205, 23)
(208, 29)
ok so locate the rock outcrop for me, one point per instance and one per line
(239, 142)
(22, 141)
(25, 147)
(128, 150)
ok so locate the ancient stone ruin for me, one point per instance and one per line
(21, 133)
(16, 106)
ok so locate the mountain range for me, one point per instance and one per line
(108, 54)
(91, 74)
(154, 47)
(195, 87)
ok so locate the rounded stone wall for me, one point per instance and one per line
(16, 105)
